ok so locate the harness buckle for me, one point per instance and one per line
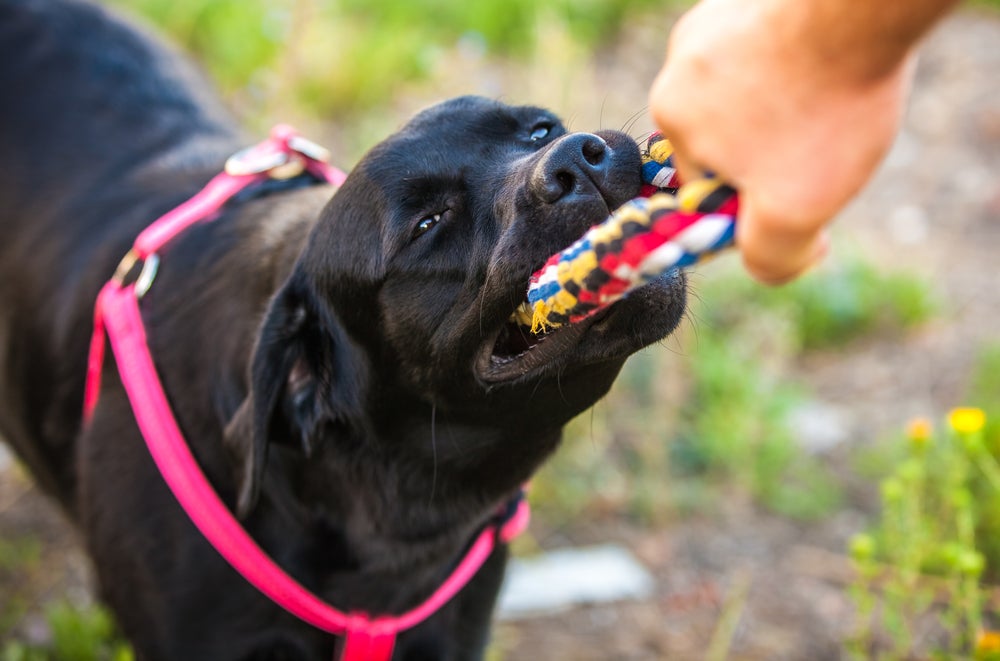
(125, 266)
(308, 148)
(282, 156)
(260, 158)
(150, 266)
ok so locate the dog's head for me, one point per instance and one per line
(399, 310)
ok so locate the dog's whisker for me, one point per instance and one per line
(482, 300)
(626, 127)
(434, 453)
(562, 395)
(633, 118)
(534, 391)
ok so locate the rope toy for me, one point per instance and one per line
(670, 226)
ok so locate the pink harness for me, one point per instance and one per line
(285, 154)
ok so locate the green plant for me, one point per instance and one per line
(734, 427)
(989, 4)
(77, 634)
(984, 392)
(346, 57)
(924, 559)
(19, 560)
(234, 39)
(829, 307)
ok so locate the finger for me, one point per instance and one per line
(687, 169)
(774, 253)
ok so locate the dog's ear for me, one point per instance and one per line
(285, 405)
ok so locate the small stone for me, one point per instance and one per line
(558, 580)
(818, 427)
(909, 225)
(6, 457)
(904, 153)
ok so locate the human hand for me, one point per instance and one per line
(748, 93)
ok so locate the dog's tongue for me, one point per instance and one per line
(667, 228)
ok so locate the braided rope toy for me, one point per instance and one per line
(670, 226)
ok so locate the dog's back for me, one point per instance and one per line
(101, 130)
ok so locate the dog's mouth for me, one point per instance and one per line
(515, 352)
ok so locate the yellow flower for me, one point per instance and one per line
(919, 431)
(989, 641)
(966, 420)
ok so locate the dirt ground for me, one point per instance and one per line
(778, 587)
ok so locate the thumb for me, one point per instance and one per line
(775, 250)
(687, 170)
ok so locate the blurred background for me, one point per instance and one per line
(761, 466)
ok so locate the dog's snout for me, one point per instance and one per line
(575, 165)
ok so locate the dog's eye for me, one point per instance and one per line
(540, 132)
(426, 224)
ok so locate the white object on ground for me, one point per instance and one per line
(558, 580)
(6, 457)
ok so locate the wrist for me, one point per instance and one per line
(852, 43)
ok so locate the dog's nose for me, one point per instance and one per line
(575, 165)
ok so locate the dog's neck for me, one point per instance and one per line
(357, 521)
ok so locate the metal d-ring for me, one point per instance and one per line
(150, 265)
(145, 280)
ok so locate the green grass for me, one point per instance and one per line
(19, 560)
(829, 308)
(344, 58)
(984, 391)
(734, 429)
(77, 633)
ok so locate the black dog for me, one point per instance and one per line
(343, 365)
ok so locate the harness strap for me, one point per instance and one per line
(285, 154)
(362, 644)
(118, 318)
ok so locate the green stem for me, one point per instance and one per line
(988, 465)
